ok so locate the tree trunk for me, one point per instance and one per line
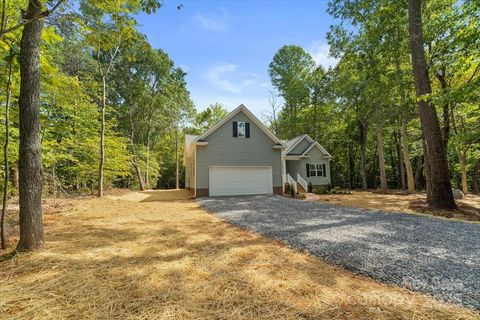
(54, 182)
(363, 147)
(403, 129)
(441, 190)
(134, 153)
(475, 177)
(101, 165)
(351, 166)
(426, 167)
(381, 159)
(139, 174)
(5, 151)
(446, 109)
(177, 180)
(30, 149)
(406, 156)
(463, 170)
(401, 170)
(418, 171)
(14, 175)
(147, 163)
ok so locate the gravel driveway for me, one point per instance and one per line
(425, 254)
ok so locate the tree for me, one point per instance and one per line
(207, 118)
(110, 26)
(290, 72)
(30, 150)
(440, 195)
(9, 59)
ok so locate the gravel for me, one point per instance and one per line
(430, 255)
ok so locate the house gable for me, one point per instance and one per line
(317, 146)
(300, 147)
(250, 117)
(221, 148)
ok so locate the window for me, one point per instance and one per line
(315, 169)
(241, 129)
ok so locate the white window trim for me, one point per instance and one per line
(315, 169)
(238, 130)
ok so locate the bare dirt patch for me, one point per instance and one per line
(129, 258)
(397, 201)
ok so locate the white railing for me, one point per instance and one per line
(302, 182)
(292, 182)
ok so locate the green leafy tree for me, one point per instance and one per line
(290, 72)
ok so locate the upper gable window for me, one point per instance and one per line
(241, 129)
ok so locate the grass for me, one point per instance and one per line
(397, 201)
(150, 256)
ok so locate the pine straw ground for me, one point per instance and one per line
(398, 200)
(139, 256)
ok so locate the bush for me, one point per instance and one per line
(321, 190)
(335, 190)
(301, 195)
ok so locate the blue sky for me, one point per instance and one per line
(226, 46)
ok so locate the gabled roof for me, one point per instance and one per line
(291, 144)
(319, 146)
(249, 115)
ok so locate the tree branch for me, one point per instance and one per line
(43, 14)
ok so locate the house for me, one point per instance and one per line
(306, 162)
(240, 156)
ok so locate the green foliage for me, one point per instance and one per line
(372, 87)
(209, 117)
(321, 190)
(79, 45)
(291, 71)
(301, 196)
(292, 192)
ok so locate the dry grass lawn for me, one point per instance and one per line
(469, 208)
(149, 256)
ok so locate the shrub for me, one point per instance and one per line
(301, 195)
(335, 190)
(321, 190)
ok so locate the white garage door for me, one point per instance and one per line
(226, 181)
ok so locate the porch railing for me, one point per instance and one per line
(302, 182)
(292, 182)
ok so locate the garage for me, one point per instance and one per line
(240, 180)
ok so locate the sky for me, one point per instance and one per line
(226, 46)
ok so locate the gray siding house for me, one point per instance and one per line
(240, 156)
(306, 162)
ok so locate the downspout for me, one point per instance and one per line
(195, 171)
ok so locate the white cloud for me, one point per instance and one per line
(320, 53)
(226, 77)
(211, 23)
